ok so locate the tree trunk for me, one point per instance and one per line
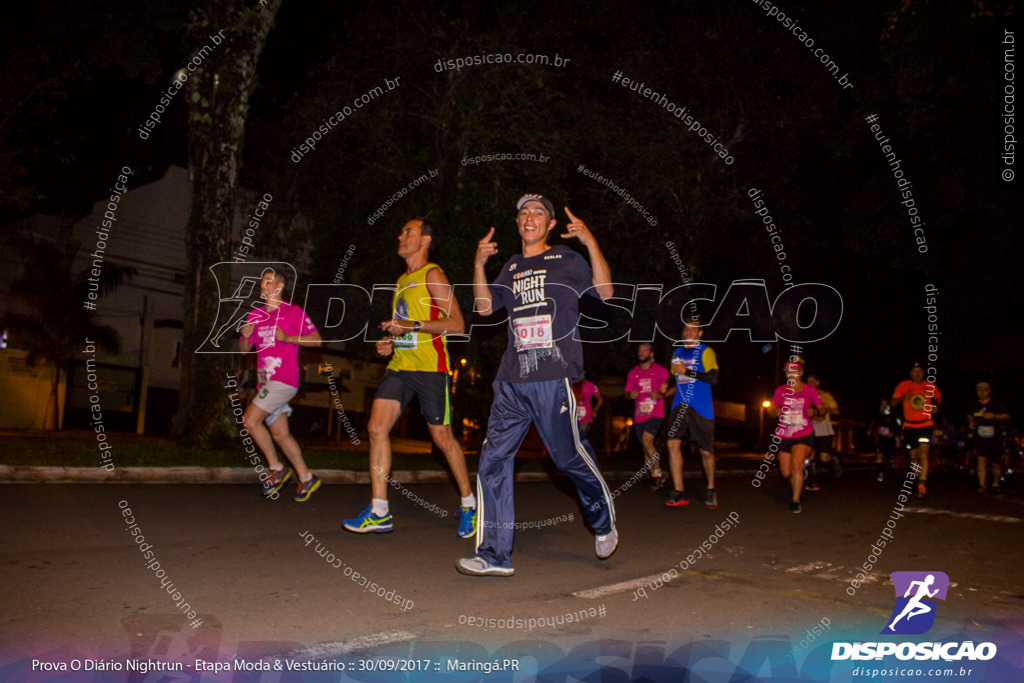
(227, 39)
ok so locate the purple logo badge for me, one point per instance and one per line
(916, 595)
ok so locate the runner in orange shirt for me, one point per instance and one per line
(920, 400)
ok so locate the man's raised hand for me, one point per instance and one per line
(578, 229)
(485, 248)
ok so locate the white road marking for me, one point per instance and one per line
(322, 651)
(826, 570)
(965, 515)
(809, 567)
(622, 587)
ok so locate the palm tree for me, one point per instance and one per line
(48, 319)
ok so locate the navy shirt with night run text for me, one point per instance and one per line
(542, 295)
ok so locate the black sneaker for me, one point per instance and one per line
(794, 507)
(837, 469)
(677, 499)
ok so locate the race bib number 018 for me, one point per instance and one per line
(533, 332)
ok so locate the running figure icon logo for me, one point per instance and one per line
(916, 593)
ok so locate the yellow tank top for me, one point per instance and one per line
(418, 351)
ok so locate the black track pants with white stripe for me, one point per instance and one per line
(550, 406)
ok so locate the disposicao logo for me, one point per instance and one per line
(913, 614)
(916, 595)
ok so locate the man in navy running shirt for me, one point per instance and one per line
(540, 289)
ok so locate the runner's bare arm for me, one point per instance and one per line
(385, 347)
(311, 339)
(602, 273)
(442, 296)
(243, 342)
(485, 248)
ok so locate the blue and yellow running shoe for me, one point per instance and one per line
(467, 522)
(367, 522)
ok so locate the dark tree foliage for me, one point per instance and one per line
(931, 71)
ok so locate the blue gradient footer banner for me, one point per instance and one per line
(990, 653)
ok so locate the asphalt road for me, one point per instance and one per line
(77, 583)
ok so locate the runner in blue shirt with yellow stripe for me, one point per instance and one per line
(695, 369)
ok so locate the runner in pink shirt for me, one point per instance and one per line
(585, 391)
(795, 403)
(648, 384)
(276, 330)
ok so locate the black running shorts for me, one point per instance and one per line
(432, 388)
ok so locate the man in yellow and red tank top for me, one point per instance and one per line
(424, 311)
(417, 351)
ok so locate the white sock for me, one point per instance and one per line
(469, 501)
(279, 467)
(380, 507)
